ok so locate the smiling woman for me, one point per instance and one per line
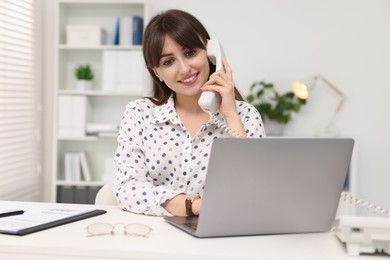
(164, 141)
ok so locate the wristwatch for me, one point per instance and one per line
(189, 200)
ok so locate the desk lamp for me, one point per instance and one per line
(302, 90)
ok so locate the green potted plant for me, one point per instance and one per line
(273, 106)
(84, 75)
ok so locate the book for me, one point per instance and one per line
(115, 33)
(41, 216)
(76, 166)
(137, 29)
(67, 167)
(84, 166)
(72, 167)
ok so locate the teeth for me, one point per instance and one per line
(189, 79)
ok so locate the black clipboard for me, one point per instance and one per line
(55, 223)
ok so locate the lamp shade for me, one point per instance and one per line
(300, 90)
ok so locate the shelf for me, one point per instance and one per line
(101, 47)
(88, 139)
(95, 93)
(74, 109)
(80, 183)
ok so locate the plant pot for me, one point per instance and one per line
(273, 128)
(82, 84)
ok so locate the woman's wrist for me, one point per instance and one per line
(234, 123)
(189, 204)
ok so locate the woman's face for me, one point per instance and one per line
(184, 71)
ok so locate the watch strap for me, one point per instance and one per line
(189, 200)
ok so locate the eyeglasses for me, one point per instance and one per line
(134, 229)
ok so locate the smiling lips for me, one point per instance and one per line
(190, 80)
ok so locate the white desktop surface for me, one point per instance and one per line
(69, 241)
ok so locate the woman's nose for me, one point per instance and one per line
(184, 66)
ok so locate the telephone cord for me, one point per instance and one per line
(223, 126)
(365, 205)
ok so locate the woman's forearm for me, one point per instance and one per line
(177, 205)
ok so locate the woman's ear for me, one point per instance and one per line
(156, 73)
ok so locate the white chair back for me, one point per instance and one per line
(105, 195)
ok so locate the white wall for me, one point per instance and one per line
(347, 41)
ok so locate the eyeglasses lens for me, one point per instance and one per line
(100, 229)
(137, 229)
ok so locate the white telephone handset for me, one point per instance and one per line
(209, 100)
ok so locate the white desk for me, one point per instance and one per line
(166, 243)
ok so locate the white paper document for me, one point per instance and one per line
(42, 216)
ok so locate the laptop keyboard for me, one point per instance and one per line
(192, 225)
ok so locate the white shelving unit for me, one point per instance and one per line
(105, 106)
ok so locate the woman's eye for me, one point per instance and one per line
(168, 62)
(191, 53)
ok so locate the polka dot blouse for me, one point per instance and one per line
(158, 159)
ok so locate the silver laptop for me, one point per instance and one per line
(270, 186)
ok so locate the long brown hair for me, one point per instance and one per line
(182, 27)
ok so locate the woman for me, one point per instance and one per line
(165, 140)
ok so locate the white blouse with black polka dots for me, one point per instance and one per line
(158, 159)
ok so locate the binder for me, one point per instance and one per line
(73, 114)
(122, 71)
(138, 27)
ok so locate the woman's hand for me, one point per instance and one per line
(222, 83)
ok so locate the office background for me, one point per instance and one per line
(281, 41)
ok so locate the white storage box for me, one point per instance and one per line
(84, 35)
